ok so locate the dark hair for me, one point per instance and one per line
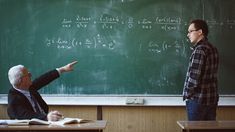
(201, 24)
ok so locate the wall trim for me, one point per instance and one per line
(115, 100)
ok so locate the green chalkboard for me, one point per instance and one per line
(124, 47)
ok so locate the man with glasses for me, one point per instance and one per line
(201, 85)
(24, 100)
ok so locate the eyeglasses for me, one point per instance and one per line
(192, 31)
(27, 75)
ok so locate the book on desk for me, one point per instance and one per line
(93, 126)
(35, 121)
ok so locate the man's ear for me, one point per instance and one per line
(200, 32)
(19, 82)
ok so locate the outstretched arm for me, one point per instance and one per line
(68, 67)
(51, 75)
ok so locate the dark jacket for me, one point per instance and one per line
(19, 106)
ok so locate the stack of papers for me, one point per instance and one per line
(35, 121)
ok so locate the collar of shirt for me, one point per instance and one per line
(198, 43)
(25, 92)
(28, 96)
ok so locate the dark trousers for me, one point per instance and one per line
(197, 112)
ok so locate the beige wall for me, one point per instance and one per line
(3, 112)
(143, 119)
(134, 118)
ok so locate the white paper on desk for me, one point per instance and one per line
(3, 122)
(33, 121)
(68, 120)
(14, 122)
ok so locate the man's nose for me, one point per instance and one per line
(188, 35)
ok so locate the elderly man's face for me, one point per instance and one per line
(26, 79)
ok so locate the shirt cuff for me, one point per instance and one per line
(58, 71)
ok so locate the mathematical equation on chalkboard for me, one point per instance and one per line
(95, 42)
(109, 22)
(230, 23)
(158, 47)
(100, 42)
(106, 21)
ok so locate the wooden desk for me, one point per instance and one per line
(207, 126)
(96, 126)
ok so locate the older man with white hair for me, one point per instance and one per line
(24, 100)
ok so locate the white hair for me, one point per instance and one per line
(15, 74)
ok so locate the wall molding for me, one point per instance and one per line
(115, 100)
